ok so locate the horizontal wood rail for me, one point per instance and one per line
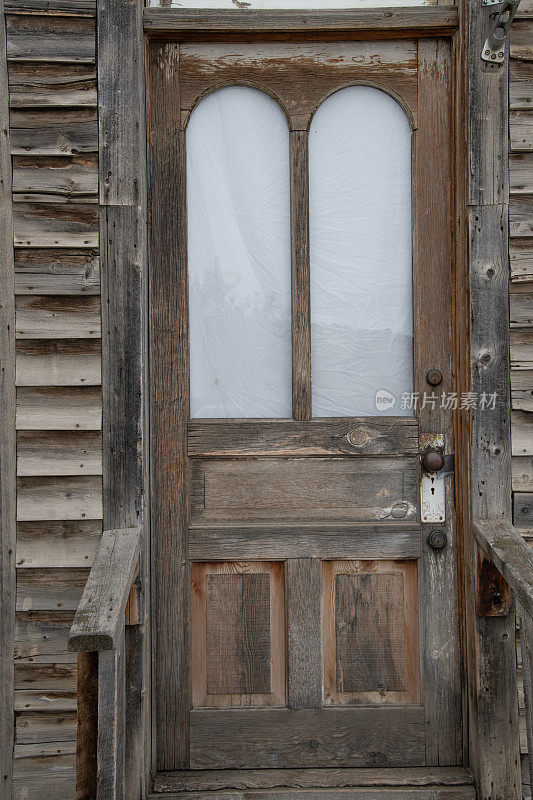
(98, 629)
(514, 559)
(326, 23)
(510, 554)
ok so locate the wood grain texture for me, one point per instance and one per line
(49, 589)
(57, 543)
(313, 489)
(99, 619)
(58, 318)
(371, 637)
(52, 498)
(526, 642)
(277, 738)
(300, 281)
(319, 437)
(311, 71)
(435, 793)
(429, 21)
(213, 780)
(41, 637)
(59, 453)
(58, 408)
(511, 555)
(50, 38)
(87, 726)
(111, 744)
(57, 272)
(238, 634)
(304, 634)
(439, 620)
(169, 406)
(493, 713)
(53, 131)
(7, 434)
(46, 225)
(55, 178)
(33, 84)
(304, 540)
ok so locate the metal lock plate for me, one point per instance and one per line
(432, 491)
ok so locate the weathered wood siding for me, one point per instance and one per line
(54, 141)
(53, 130)
(521, 288)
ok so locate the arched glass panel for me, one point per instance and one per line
(239, 256)
(361, 270)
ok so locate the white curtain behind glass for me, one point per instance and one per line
(239, 256)
(361, 272)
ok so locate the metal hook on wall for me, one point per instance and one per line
(494, 47)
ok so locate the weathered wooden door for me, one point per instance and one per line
(302, 617)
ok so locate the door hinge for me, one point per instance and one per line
(494, 47)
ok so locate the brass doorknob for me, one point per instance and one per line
(433, 461)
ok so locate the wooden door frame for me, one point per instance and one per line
(125, 331)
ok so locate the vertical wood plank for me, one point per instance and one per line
(122, 194)
(493, 704)
(7, 434)
(86, 726)
(526, 640)
(169, 406)
(439, 613)
(304, 635)
(111, 723)
(301, 304)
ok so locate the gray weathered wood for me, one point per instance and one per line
(491, 651)
(111, 721)
(510, 553)
(407, 793)
(100, 615)
(304, 634)
(170, 407)
(277, 738)
(7, 434)
(50, 38)
(304, 540)
(123, 248)
(348, 436)
(526, 642)
(57, 272)
(428, 21)
(301, 299)
(212, 780)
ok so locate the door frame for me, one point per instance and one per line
(480, 196)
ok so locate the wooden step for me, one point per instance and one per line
(419, 783)
(361, 793)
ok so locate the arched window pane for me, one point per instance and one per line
(239, 256)
(361, 270)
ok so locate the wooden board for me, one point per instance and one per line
(41, 637)
(50, 38)
(57, 543)
(370, 619)
(204, 66)
(53, 498)
(58, 408)
(59, 453)
(7, 434)
(58, 318)
(304, 540)
(213, 780)
(33, 84)
(314, 489)
(238, 634)
(53, 132)
(277, 738)
(55, 178)
(46, 225)
(357, 436)
(57, 272)
(63, 362)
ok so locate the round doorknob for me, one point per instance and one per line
(433, 461)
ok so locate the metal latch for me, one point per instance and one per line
(494, 47)
(435, 467)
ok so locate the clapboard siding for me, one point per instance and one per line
(54, 143)
(521, 285)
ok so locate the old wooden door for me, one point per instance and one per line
(302, 618)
